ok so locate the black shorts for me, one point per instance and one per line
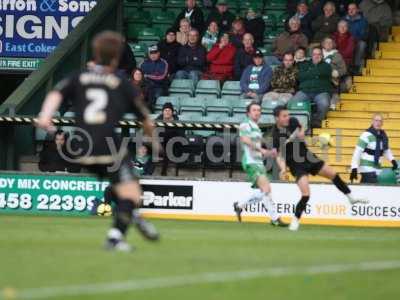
(307, 167)
(116, 174)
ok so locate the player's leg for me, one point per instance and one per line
(253, 173)
(265, 187)
(329, 173)
(304, 186)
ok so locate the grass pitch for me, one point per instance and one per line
(62, 258)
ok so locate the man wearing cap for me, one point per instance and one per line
(155, 71)
(222, 16)
(256, 78)
(168, 115)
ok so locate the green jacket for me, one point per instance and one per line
(315, 78)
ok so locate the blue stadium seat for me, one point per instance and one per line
(208, 87)
(231, 88)
(182, 86)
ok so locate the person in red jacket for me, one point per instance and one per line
(345, 42)
(221, 60)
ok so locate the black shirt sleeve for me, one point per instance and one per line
(134, 100)
(275, 138)
(294, 124)
(66, 87)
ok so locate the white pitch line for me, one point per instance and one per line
(203, 278)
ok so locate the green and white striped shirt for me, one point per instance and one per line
(250, 129)
(363, 161)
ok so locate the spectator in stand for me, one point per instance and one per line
(315, 84)
(372, 145)
(288, 41)
(284, 80)
(168, 115)
(52, 157)
(210, 37)
(300, 55)
(340, 80)
(222, 16)
(244, 55)
(326, 24)
(237, 33)
(305, 19)
(221, 60)
(358, 27)
(256, 78)
(379, 14)
(143, 164)
(155, 70)
(191, 59)
(169, 49)
(194, 14)
(345, 42)
(182, 36)
(138, 81)
(255, 25)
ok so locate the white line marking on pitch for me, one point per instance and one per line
(203, 278)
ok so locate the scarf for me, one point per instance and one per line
(381, 139)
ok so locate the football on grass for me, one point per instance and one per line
(104, 210)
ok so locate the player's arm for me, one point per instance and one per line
(50, 106)
(265, 152)
(282, 167)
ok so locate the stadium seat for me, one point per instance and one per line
(163, 20)
(192, 102)
(270, 21)
(246, 4)
(140, 17)
(182, 86)
(195, 113)
(214, 102)
(220, 113)
(277, 4)
(267, 118)
(153, 4)
(139, 50)
(271, 104)
(208, 87)
(149, 36)
(231, 88)
(281, 20)
(300, 105)
(387, 177)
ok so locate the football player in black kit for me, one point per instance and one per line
(100, 98)
(288, 138)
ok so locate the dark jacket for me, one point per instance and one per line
(264, 80)
(127, 62)
(242, 60)
(305, 26)
(224, 21)
(315, 78)
(358, 26)
(155, 71)
(256, 27)
(196, 19)
(169, 52)
(324, 27)
(192, 58)
(50, 159)
(236, 39)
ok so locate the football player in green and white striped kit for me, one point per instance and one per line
(371, 146)
(253, 164)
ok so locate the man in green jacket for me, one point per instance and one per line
(315, 85)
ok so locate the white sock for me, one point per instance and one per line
(115, 234)
(349, 196)
(256, 197)
(271, 206)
